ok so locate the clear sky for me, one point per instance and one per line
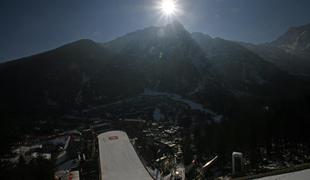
(31, 26)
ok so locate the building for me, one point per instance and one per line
(237, 162)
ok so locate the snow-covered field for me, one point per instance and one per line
(298, 175)
(193, 105)
(157, 115)
(176, 97)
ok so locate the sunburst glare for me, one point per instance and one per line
(168, 7)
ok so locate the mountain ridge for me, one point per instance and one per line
(168, 59)
(290, 51)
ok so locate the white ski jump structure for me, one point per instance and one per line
(118, 159)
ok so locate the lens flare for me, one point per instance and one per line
(168, 7)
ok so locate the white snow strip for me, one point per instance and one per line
(157, 114)
(118, 159)
(300, 175)
(193, 105)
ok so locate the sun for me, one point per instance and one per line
(168, 7)
(168, 10)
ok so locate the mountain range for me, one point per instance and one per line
(212, 71)
(290, 51)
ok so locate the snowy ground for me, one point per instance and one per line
(193, 105)
(299, 175)
(157, 114)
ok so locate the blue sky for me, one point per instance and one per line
(32, 26)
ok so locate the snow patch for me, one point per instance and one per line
(301, 175)
(157, 116)
(193, 105)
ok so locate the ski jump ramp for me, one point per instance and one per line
(118, 159)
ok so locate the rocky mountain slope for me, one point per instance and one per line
(82, 74)
(295, 41)
(290, 52)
